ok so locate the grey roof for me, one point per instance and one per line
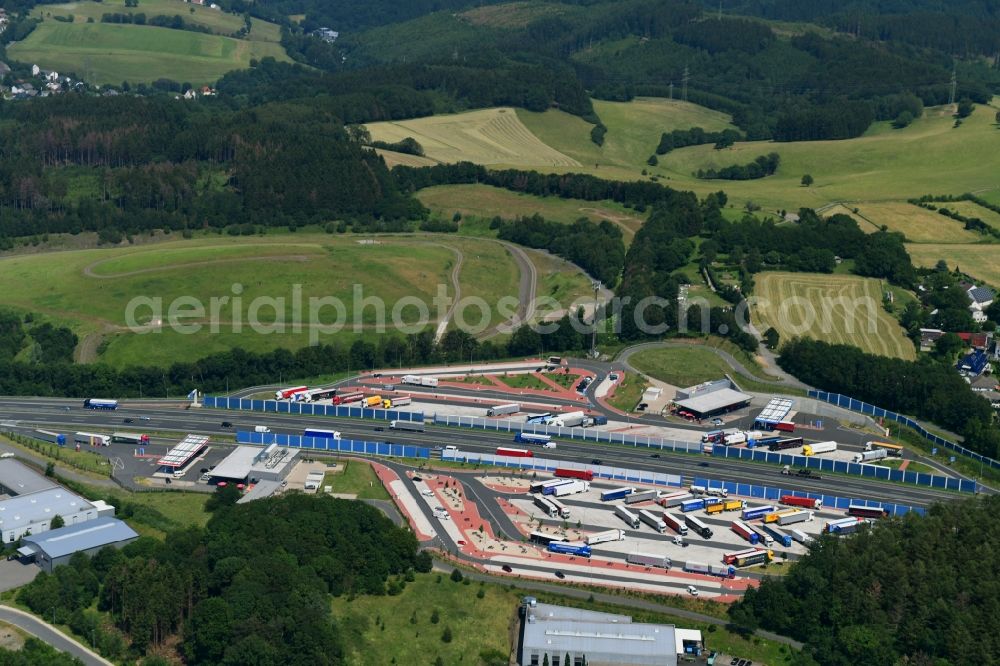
(710, 402)
(40, 506)
(247, 459)
(603, 638)
(83, 536)
(981, 294)
(20, 479)
(260, 490)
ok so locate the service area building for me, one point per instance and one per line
(554, 633)
(264, 468)
(711, 398)
(55, 547)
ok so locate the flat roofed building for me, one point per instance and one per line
(553, 633)
(253, 464)
(33, 513)
(16, 478)
(57, 546)
(716, 402)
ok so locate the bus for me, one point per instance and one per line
(532, 438)
(700, 528)
(97, 403)
(411, 426)
(560, 507)
(543, 538)
(514, 453)
(322, 434)
(893, 449)
(569, 548)
(318, 394)
(861, 511)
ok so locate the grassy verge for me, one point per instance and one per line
(563, 379)
(962, 465)
(86, 460)
(687, 366)
(525, 381)
(914, 466)
(356, 478)
(628, 392)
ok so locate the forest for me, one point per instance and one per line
(761, 167)
(911, 590)
(927, 388)
(596, 248)
(251, 587)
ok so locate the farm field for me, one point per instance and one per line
(486, 202)
(218, 21)
(105, 53)
(486, 136)
(839, 309)
(972, 209)
(981, 261)
(90, 290)
(919, 225)
(929, 156)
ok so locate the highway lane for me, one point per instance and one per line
(52, 413)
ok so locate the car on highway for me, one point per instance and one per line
(507, 568)
(692, 590)
(655, 455)
(143, 418)
(379, 429)
(128, 420)
(227, 424)
(703, 464)
(596, 461)
(560, 575)
(7, 454)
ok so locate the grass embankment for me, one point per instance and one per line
(486, 625)
(629, 392)
(90, 290)
(688, 366)
(106, 53)
(356, 478)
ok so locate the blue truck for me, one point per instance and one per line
(569, 548)
(779, 535)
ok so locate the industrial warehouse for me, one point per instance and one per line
(55, 547)
(554, 634)
(262, 468)
(711, 399)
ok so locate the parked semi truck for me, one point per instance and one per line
(749, 558)
(725, 571)
(733, 505)
(130, 438)
(785, 444)
(289, 393)
(870, 456)
(755, 512)
(734, 439)
(744, 531)
(652, 521)
(801, 536)
(843, 526)
(503, 410)
(570, 548)
(777, 534)
(819, 447)
(675, 523)
(604, 537)
(862, 511)
(693, 504)
(804, 502)
(419, 380)
(546, 506)
(641, 496)
(616, 493)
(674, 499)
(792, 517)
(347, 398)
(649, 560)
(698, 527)
(571, 488)
(394, 403)
(91, 439)
(568, 420)
(584, 474)
(630, 518)
(54, 437)
(713, 492)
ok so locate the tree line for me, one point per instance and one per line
(916, 590)
(251, 586)
(696, 136)
(174, 22)
(761, 167)
(925, 389)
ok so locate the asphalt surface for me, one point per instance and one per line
(50, 635)
(25, 414)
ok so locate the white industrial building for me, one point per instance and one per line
(30, 501)
(553, 634)
(264, 468)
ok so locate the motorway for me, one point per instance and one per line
(29, 413)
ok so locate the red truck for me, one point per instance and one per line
(347, 398)
(584, 474)
(804, 502)
(516, 453)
